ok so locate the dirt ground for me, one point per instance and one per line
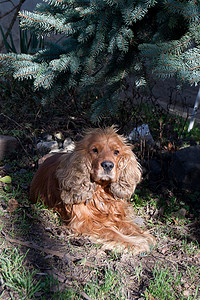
(73, 260)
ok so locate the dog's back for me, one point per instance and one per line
(45, 188)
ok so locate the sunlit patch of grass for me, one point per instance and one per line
(108, 286)
(169, 284)
(143, 197)
(15, 276)
(190, 248)
(21, 281)
(139, 272)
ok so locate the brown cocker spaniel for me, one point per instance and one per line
(90, 188)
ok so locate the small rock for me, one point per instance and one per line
(49, 146)
(22, 171)
(180, 213)
(139, 221)
(58, 136)
(12, 205)
(47, 137)
(68, 145)
(67, 142)
(8, 144)
(186, 293)
(159, 212)
(141, 133)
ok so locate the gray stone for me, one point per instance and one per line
(8, 144)
(58, 136)
(181, 213)
(185, 168)
(159, 212)
(139, 221)
(49, 146)
(68, 145)
(23, 171)
(141, 133)
(47, 137)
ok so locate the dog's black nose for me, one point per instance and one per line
(107, 165)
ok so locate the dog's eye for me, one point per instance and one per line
(116, 152)
(95, 150)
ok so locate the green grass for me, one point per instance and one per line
(191, 248)
(21, 281)
(49, 284)
(138, 273)
(168, 284)
(15, 276)
(108, 286)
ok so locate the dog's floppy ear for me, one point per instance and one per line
(128, 176)
(73, 177)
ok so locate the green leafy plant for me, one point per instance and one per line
(6, 179)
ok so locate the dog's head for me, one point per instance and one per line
(101, 157)
(104, 148)
(110, 157)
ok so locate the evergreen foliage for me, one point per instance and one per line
(100, 42)
(175, 49)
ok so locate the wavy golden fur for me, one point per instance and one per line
(90, 188)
